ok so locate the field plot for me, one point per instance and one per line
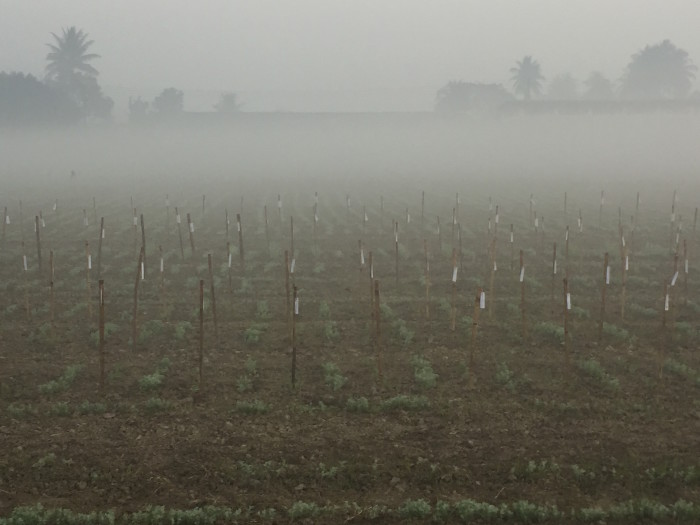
(436, 403)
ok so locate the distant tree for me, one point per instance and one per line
(26, 100)
(527, 78)
(138, 109)
(69, 70)
(228, 103)
(458, 96)
(563, 87)
(598, 87)
(659, 71)
(170, 102)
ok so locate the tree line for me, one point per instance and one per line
(70, 91)
(656, 72)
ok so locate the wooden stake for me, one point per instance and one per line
(230, 278)
(427, 279)
(378, 331)
(38, 241)
(213, 297)
(241, 253)
(99, 248)
(566, 322)
(554, 274)
(143, 242)
(201, 336)
(190, 228)
(286, 287)
(51, 294)
(606, 272)
(522, 295)
(88, 267)
(422, 210)
(512, 253)
(291, 242)
(453, 309)
(136, 298)
(492, 262)
(179, 233)
(396, 250)
(439, 234)
(475, 328)
(102, 334)
(293, 339)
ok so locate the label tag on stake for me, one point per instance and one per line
(229, 259)
(666, 304)
(191, 227)
(555, 266)
(136, 221)
(495, 267)
(238, 226)
(143, 271)
(296, 306)
(177, 219)
(686, 266)
(568, 301)
(511, 237)
(627, 263)
(362, 257)
(24, 261)
(522, 273)
(607, 275)
(454, 274)
(161, 265)
(89, 262)
(482, 300)
(291, 269)
(675, 277)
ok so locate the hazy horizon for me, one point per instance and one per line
(331, 55)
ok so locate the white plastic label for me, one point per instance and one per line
(24, 261)
(103, 233)
(686, 266)
(522, 273)
(296, 306)
(89, 262)
(454, 220)
(666, 303)
(177, 219)
(495, 267)
(623, 241)
(454, 274)
(579, 223)
(229, 259)
(438, 229)
(143, 271)
(162, 266)
(496, 220)
(366, 218)
(408, 218)
(674, 278)
(371, 271)
(568, 301)
(291, 269)
(555, 267)
(279, 204)
(511, 236)
(54, 206)
(238, 226)
(362, 257)
(396, 237)
(607, 275)
(566, 235)
(43, 223)
(627, 263)
(7, 219)
(192, 227)
(315, 218)
(482, 300)
(85, 221)
(136, 221)
(673, 217)
(537, 222)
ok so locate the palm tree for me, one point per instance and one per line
(527, 77)
(69, 57)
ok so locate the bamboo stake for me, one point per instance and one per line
(136, 298)
(102, 334)
(522, 295)
(230, 277)
(475, 328)
(606, 281)
(512, 253)
(674, 293)
(362, 264)
(426, 274)
(378, 331)
(143, 242)
(227, 224)
(162, 272)
(396, 250)
(422, 210)
(241, 253)
(99, 248)
(567, 307)
(200, 360)
(21, 222)
(453, 309)
(685, 272)
(213, 297)
(88, 267)
(167, 214)
(454, 223)
(286, 287)
(279, 207)
(267, 230)
(6, 221)
(291, 229)
(135, 221)
(190, 227)
(493, 275)
(662, 347)
(293, 339)
(26, 284)
(51, 292)
(623, 293)
(179, 233)
(554, 274)
(439, 234)
(38, 241)
(371, 285)
(600, 213)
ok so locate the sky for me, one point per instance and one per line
(339, 54)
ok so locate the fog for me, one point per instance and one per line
(368, 152)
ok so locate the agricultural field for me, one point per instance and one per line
(461, 385)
